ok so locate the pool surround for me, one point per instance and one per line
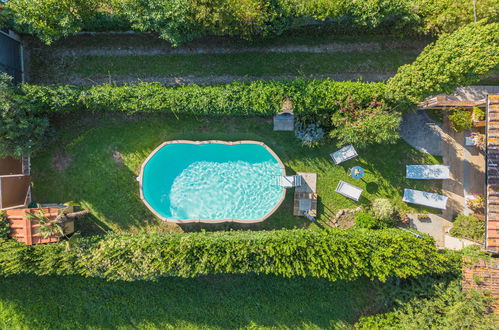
(141, 176)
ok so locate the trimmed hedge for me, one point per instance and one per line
(237, 98)
(331, 254)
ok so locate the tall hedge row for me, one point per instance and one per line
(457, 59)
(181, 20)
(331, 254)
(237, 98)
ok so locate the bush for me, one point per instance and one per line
(468, 227)
(447, 64)
(460, 120)
(382, 208)
(51, 19)
(22, 131)
(4, 226)
(441, 306)
(365, 220)
(331, 254)
(310, 135)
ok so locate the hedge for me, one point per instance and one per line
(458, 59)
(237, 98)
(330, 254)
(181, 20)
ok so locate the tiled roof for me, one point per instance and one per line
(492, 220)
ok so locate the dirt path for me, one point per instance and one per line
(80, 80)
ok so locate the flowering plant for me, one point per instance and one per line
(479, 140)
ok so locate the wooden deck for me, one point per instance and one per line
(443, 102)
(492, 207)
(306, 195)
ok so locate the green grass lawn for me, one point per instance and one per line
(79, 166)
(246, 64)
(214, 302)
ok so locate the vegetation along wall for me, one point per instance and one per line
(331, 254)
(179, 21)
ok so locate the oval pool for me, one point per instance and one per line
(212, 181)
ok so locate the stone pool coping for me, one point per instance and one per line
(140, 177)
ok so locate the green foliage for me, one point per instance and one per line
(382, 208)
(365, 220)
(364, 121)
(460, 119)
(4, 226)
(457, 59)
(468, 227)
(22, 131)
(478, 114)
(51, 19)
(333, 254)
(179, 21)
(442, 306)
(447, 15)
(364, 125)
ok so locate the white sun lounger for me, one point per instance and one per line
(344, 154)
(290, 181)
(348, 190)
(423, 172)
(425, 198)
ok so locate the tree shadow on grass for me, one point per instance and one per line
(222, 301)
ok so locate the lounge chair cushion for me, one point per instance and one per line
(348, 190)
(344, 154)
(428, 172)
(425, 198)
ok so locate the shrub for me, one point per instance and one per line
(447, 64)
(362, 125)
(382, 208)
(331, 254)
(460, 119)
(468, 226)
(478, 114)
(4, 226)
(310, 135)
(22, 132)
(365, 220)
(441, 306)
(477, 204)
(51, 19)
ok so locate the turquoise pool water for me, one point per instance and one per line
(185, 181)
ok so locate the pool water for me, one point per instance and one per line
(213, 181)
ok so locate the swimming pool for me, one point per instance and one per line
(212, 181)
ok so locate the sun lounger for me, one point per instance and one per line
(290, 181)
(423, 172)
(348, 190)
(425, 198)
(344, 154)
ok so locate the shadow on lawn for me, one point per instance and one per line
(223, 301)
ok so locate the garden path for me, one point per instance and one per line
(421, 132)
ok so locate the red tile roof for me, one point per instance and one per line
(492, 220)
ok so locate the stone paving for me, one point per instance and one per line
(421, 132)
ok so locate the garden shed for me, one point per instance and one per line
(15, 184)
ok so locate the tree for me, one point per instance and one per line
(21, 132)
(454, 60)
(51, 19)
(364, 125)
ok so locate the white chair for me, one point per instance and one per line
(344, 154)
(349, 191)
(427, 172)
(290, 181)
(425, 198)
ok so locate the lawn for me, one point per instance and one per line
(245, 64)
(215, 302)
(94, 161)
